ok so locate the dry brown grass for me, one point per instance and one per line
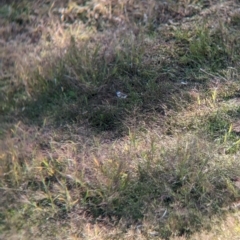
(79, 163)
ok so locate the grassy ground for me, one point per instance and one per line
(79, 162)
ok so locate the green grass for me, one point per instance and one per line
(181, 181)
(77, 162)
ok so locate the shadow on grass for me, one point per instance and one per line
(82, 87)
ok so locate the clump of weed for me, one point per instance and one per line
(235, 19)
(203, 49)
(185, 184)
(17, 12)
(104, 119)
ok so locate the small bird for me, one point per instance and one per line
(121, 95)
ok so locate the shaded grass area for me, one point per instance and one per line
(83, 86)
(170, 176)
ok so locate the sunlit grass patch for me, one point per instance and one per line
(179, 182)
(176, 185)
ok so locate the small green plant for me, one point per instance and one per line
(218, 125)
(202, 49)
(17, 12)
